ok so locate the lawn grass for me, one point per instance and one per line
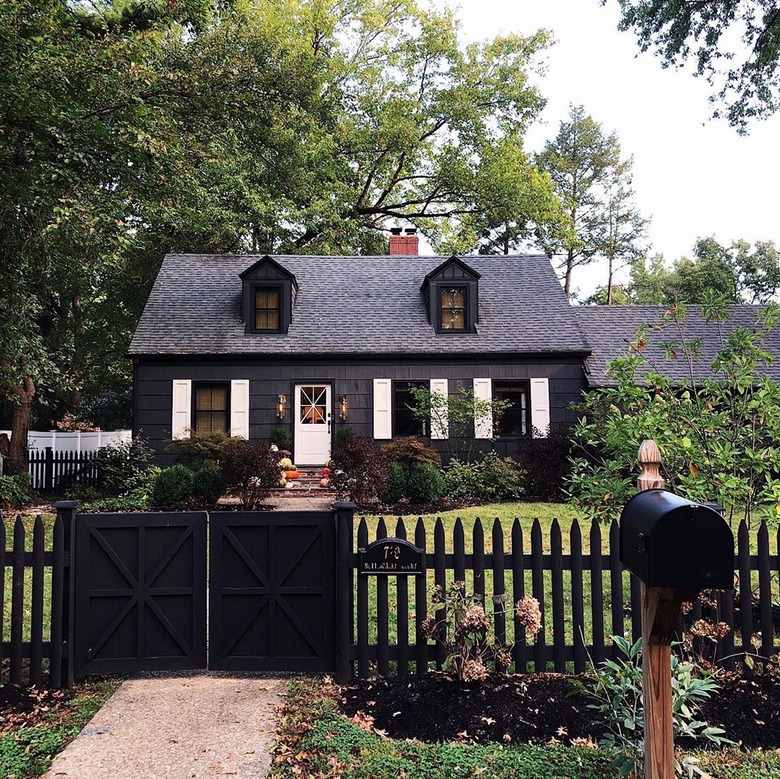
(28, 752)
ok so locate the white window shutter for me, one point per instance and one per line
(540, 406)
(440, 427)
(181, 420)
(239, 408)
(483, 424)
(383, 421)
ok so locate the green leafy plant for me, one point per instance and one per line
(208, 486)
(172, 487)
(397, 483)
(130, 502)
(14, 491)
(426, 483)
(281, 437)
(462, 479)
(492, 478)
(198, 449)
(718, 436)
(616, 692)
(125, 466)
(344, 434)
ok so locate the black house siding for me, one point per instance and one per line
(352, 377)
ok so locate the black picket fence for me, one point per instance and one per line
(54, 473)
(35, 603)
(584, 594)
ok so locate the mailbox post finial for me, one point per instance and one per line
(649, 467)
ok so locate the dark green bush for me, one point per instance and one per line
(208, 486)
(500, 478)
(282, 437)
(344, 434)
(410, 451)
(397, 483)
(426, 484)
(172, 487)
(198, 449)
(14, 491)
(130, 502)
(359, 470)
(249, 469)
(125, 466)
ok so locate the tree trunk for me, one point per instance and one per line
(567, 277)
(20, 426)
(609, 284)
(77, 363)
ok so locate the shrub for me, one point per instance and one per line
(426, 484)
(461, 480)
(125, 466)
(251, 470)
(546, 462)
(130, 502)
(281, 437)
(617, 695)
(208, 486)
(343, 434)
(14, 491)
(359, 470)
(172, 487)
(397, 483)
(500, 478)
(197, 449)
(411, 451)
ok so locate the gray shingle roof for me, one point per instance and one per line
(610, 329)
(362, 305)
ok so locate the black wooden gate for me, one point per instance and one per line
(140, 592)
(273, 591)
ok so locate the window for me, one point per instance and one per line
(513, 420)
(268, 308)
(453, 308)
(404, 421)
(212, 409)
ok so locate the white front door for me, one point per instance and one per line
(312, 424)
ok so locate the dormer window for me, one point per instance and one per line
(451, 297)
(268, 309)
(453, 308)
(268, 296)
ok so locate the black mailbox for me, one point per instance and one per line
(668, 541)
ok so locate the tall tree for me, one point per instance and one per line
(734, 43)
(130, 128)
(593, 184)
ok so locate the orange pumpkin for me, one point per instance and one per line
(291, 474)
(324, 482)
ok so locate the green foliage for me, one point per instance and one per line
(426, 483)
(718, 437)
(125, 466)
(14, 491)
(359, 470)
(492, 478)
(546, 463)
(172, 487)
(130, 502)
(249, 469)
(617, 695)
(594, 185)
(397, 483)
(745, 77)
(282, 437)
(208, 486)
(198, 449)
(344, 434)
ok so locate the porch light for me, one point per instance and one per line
(343, 408)
(281, 402)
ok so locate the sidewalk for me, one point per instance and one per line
(183, 727)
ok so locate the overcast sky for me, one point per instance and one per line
(694, 176)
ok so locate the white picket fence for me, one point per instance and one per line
(77, 441)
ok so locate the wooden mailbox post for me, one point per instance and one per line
(676, 548)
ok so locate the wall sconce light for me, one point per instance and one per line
(281, 402)
(343, 408)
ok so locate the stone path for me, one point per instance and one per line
(183, 727)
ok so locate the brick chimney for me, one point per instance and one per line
(404, 244)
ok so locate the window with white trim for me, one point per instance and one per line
(513, 420)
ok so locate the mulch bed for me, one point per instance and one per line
(539, 709)
(28, 707)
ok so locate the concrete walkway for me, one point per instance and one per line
(184, 727)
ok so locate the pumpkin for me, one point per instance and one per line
(324, 482)
(286, 463)
(291, 474)
(282, 482)
(326, 471)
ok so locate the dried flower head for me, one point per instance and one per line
(503, 659)
(687, 607)
(473, 670)
(437, 595)
(528, 613)
(721, 630)
(473, 621)
(429, 626)
(702, 628)
(755, 641)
